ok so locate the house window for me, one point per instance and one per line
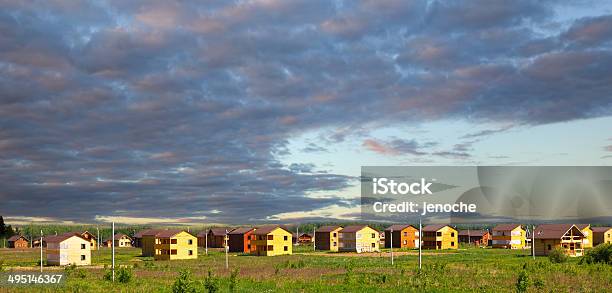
(172, 241)
(335, 244)
(452, 243)
(549, 247)
(405, 233)
(190, 241)
(82, 246)
(358, 235)
(270, 247)
(438, 233)
(373, 244)
(285, 238)
(173, 251)
(405, 242)
(270, 237)
(373, 235)
(335, 235)
(249, 246)
(82, 257)
(190, 252)
(286, 248)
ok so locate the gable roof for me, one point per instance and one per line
(398, 227)
(119, 236)
(582, 226)
(147, 232)
(473, 233)
(305, 235)
(88, 233)
(552, 231)
(600, 229)
(241, 230)
(17, 237)
(267, 229)
(434, 228)
(355, 228)
(62, 237)
(169, 233)
(328, 229)
(219, 231)
(506, 227)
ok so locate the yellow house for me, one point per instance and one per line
(121, 240)
(440, 237)
(587, 242)
(326, 238)
(601, 235)
(509, 236)
(271, 241)
(68, 248)
(564, 236)
(93, 241)
(360, 238)
(169, 244)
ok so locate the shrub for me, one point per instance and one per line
(557, 255)
(184, 283)
(600, 254)
(233, 280)
(211, 283)
(124, 275)
(75, 272)
(522, 282)
(1, 265)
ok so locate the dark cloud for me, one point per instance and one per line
(181, 109)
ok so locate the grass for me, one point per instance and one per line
(466, 270)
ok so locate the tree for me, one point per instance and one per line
(2, 227)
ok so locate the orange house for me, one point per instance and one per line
(239, 240)
(404, 236)
(18, 241)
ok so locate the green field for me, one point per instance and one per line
(467, 270)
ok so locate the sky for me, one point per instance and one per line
(237, 112)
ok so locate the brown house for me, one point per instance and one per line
(239, 240)
(217, 237)
(564, 236)
(138, 236)
(18, 241)
(326, 238)
(601, 235)
(476, 237)
(404, 236)
(305, 238)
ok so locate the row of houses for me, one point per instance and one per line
(75, 248)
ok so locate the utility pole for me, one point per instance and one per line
(297, 235)
(391, 246)
(41, 247)
(533, 241)
(226, 251)
(420, 242)
(314, 240)
(98, 242)
(113, 246)
(206, 240)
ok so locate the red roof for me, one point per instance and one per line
(62, 237)
(434, 228)
(328, 229)
(149, 232)
(582, 226)
(168, 233)
(355, 228)
(600, 229)
(474, 233)
(399, 227)
(506, 227)
(16, 237)
(242, 230)
(552, 231)
(267, 229)
(220, 231)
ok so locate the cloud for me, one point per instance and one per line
(171, 110)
